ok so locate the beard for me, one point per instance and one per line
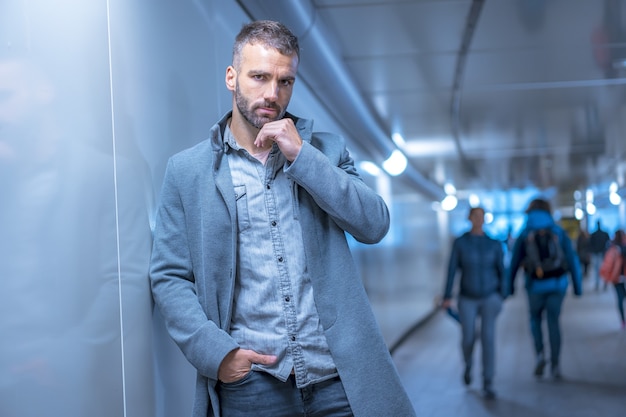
(247, 110)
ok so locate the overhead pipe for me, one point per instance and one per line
(323, 70)
(457, 85)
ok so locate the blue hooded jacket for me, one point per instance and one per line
(541, 219)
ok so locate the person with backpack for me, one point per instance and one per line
(548, 257)
(613, 270)
(480, 261)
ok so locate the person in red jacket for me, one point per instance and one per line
(613, 270)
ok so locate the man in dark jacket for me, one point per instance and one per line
(480, 259)
(598, 243)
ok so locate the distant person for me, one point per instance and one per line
(545, 292)
(582, 249)
(251, 269)
(480, 261)
(598, 243)
(509, 242)
(613, 270)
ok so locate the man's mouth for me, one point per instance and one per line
(268, 110)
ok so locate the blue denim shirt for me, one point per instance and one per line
(274, 311)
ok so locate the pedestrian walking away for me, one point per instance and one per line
(598, 244)
(545, 290)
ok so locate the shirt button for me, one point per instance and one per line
(280, 259)
(268, 186)
(273, 223)
(287, 299)
(293, 338)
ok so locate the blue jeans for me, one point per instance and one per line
(487, 309)
(551, 303)
(262, 395)
(596, 262)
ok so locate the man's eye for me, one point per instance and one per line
(287, 83)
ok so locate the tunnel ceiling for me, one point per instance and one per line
(487, 94)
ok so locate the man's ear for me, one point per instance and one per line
(231, 78)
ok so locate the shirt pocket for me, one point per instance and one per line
(243, 216)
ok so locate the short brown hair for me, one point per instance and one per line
(268, 33)
(475, 209)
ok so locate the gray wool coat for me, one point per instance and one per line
(192, 271)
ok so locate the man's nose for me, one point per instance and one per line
(271, 91)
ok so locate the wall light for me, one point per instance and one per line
(398, 139)
(449, 203)
(395, 164)
(370, 167)
(474, 200)
(577, 195)
(579, 213)
(449, 188)
(615, 199)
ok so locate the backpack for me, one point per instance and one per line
(544, 255)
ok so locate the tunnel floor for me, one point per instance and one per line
(593, 364)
